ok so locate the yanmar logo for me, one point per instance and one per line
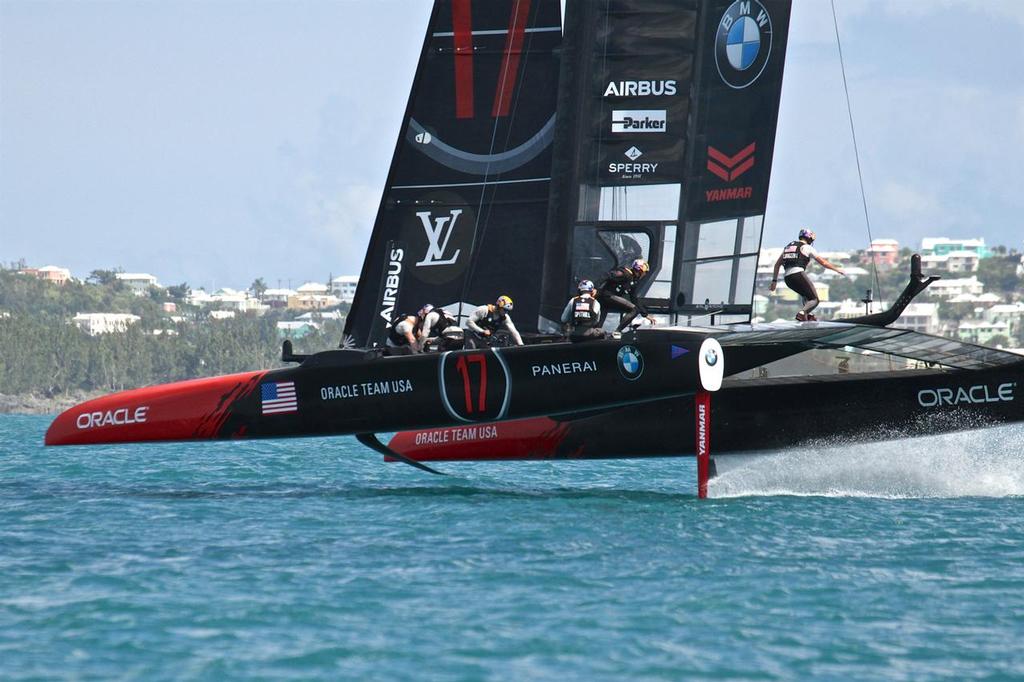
(729, 168)
(977, 394)
(119, 417)
(702, 429)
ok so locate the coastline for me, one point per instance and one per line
(31, 403)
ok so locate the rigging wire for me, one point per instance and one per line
(856, 152)
(478, 227)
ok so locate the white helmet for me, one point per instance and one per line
(586, 286)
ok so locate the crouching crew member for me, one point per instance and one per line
(582, 314)
(438, 329)
(796, 257)
(491, 318)
(402, 335)
(618, 294)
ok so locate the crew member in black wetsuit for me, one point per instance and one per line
(490, 318)
(618, 294)
(795, 258)
(582, 314)
(401, 338)
(437, 323)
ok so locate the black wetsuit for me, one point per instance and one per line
(793, 257)
(618, 294)
(584, 319)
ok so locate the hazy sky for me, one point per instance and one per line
(214, 142)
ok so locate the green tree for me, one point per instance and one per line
(999, 274)
(258, 287)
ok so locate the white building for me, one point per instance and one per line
(948, 288)
(222, 314)
(278, 298)
(344, 287)
(850, 308)
(981, 331)
(940, 246)
(954, 262)
(313, 289)
(1010, 313)
(138, 282)
(228, 299)
(104, 323)
(920, 317)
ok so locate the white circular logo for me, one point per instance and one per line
(743, 43)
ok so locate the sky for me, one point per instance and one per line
(216, 142)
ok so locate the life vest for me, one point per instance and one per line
(393, 335)
(793, 257)
(495, 318)
(444, 321)
(620, 282)
(584, 311)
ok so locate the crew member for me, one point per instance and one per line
(796, 257)
(437, 323)
(491, 318)
(582, 314)
(401, 338)
(618, 294)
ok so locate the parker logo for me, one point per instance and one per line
(439, 232)
(977, 394)
(743, 43)
(639, 121)
(731, 167)
(392, 282)
(119, 417)
(641, 88)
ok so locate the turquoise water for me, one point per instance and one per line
(311, 559)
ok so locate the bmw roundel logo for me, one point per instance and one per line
(631, 362)
(743, 43)
(711, 357)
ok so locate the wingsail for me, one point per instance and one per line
(470, 176)
(664, 141)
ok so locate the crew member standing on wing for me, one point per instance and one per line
(795, 258)
(491, 318)
(582, 314)
(618, 294)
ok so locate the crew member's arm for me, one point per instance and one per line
(513, 331)
(428, 324)
(825, 264)
(478, 314)
(775, 273)
(567, 311)
(405, 328)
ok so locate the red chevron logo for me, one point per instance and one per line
(731, 167)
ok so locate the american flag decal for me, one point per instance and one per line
(278, 397)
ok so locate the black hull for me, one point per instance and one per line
(756, 415)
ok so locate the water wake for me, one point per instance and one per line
(982, 463)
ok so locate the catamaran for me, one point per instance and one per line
(538, 150)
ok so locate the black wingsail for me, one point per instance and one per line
(469, 180)
(664, 142)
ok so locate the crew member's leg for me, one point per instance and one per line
(802, 285)
(622, 305)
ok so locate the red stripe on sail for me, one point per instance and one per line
(462, 25)
(510, 62)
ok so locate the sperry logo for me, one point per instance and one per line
(439, 231)
(980, 393)
(119, 417)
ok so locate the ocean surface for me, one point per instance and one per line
(312, 559)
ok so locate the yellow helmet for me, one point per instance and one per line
(505, 302)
